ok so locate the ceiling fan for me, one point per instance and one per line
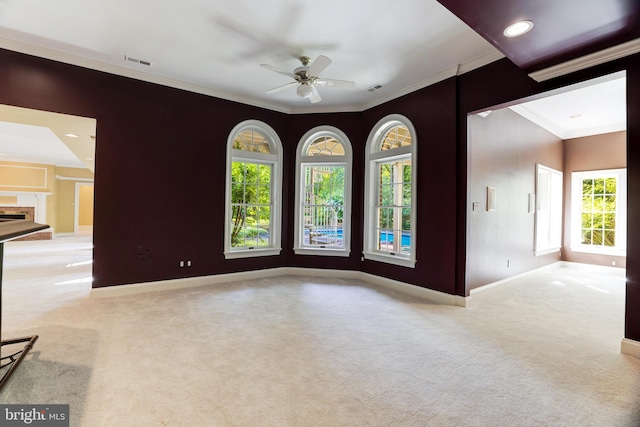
(306, 78)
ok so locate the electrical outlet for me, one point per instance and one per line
(181, 263)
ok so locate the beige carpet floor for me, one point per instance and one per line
(541, 350)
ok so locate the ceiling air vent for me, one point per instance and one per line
(374, 88)
(137, 61)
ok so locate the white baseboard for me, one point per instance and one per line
(189, 282)
(63, 235)
(526, 273)
(630, 347)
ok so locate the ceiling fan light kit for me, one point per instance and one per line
(306, 78)
(304, 90)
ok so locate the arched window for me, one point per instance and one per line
(390, 192)
(323, 193)
(253, 191)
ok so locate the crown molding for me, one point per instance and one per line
(431, 80)
(540, 121)
(480, 62)
(616, 52)
(98, 65)
(562, 133)
(616, 127)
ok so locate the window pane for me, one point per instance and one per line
(385, 170)
(383, 243)
(237, 193)
(250, 140)
(325, 146)
(406, 195)
(598, 186)
(397, 136)
(237, 226)
(406, 219)
(250, 237)
(323, 205)
(598, 203)
(250, 173)
(386, 217)
(394, 198)
(264, 174)
(610, 203)
(611, 186)
(262, 216)
(610, 221)
(264, 194)
(406, 170)
(598, 220)
(609, 238)
(251, 194)
(386, 195)
(597, 237)
(251, 204)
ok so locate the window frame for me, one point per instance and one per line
(301, 161)
(620, 248)
(373, 157)
(274, 158)
(548, 208)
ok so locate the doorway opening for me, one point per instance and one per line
(574, 129)
(47, 165)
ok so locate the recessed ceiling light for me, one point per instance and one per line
(71, 135)
(518, 28)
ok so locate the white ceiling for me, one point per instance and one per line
(216, 46)
(590, 108)
(41, 137)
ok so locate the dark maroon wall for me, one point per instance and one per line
(632, 316)
(432, 111)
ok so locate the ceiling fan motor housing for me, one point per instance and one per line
(301, 72)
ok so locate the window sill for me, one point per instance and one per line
(600, 251)
(546, 251)
(390, 259)
(249, 253)
(322, 252)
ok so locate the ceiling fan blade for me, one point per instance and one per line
(342, 84)
(315, 96)
(278, 70)
(283, 87)
(318, 65)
